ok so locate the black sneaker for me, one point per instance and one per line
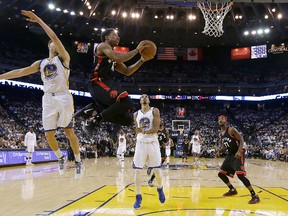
(149, 170)
(231, 193)
(255, 199)
(89, 126)
(150, 183)
(86, 111)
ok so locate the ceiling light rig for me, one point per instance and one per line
(259, 31)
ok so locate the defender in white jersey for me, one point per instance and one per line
(57, 102)
(121, 141)
(30, 143)
(196, 142)
(147, 121)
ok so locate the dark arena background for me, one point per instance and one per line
(193, 79)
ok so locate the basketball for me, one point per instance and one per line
(149, 51)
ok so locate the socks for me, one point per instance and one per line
(77, 158)
(58, 153)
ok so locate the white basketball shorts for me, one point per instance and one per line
(196, 149)
(58, 110)
(147, 152)
(121, 149)
(30, 148)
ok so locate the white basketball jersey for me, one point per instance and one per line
(195, 140)
(30, 139)
(145, 122)
(54, 75)
(122, 140)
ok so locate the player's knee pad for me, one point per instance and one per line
(223, 177)
(245, 181)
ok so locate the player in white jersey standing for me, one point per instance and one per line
(57, 102)
(147, 121)
(196, 142)
(30, 143)
(122, 141)
(170, 144)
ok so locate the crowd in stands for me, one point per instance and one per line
(268, 127)
(265, 131)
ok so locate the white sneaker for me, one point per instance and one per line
(79, 169)
(62, 165)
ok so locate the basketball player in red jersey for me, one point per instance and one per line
(234, 163)
(113, 102)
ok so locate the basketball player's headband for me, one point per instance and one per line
(222, 116)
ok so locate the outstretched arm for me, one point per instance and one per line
(51, 34)
(22, 71)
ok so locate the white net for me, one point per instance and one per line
(214, 14)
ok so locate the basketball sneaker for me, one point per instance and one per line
(62, 165)
(161, 194)
(78, 169)
(149, 170)
(230, 193)
(89, 126)
(137, 204)
(86, 111)
(150, 183)
(255, 199)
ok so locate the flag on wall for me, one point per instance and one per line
(193, 54)
(166, 53)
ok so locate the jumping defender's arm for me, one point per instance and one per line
(22, 71)
(51, 34)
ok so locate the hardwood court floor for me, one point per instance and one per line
(107, 189)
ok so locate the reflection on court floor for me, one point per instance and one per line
(194, 200)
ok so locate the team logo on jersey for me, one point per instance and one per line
(113, 64)
(50, 71)
(121, 139)
(144, 123)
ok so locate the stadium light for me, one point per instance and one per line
(246, 33)
(260, 31)
(51, 6)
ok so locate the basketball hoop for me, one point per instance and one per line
(214, 14)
